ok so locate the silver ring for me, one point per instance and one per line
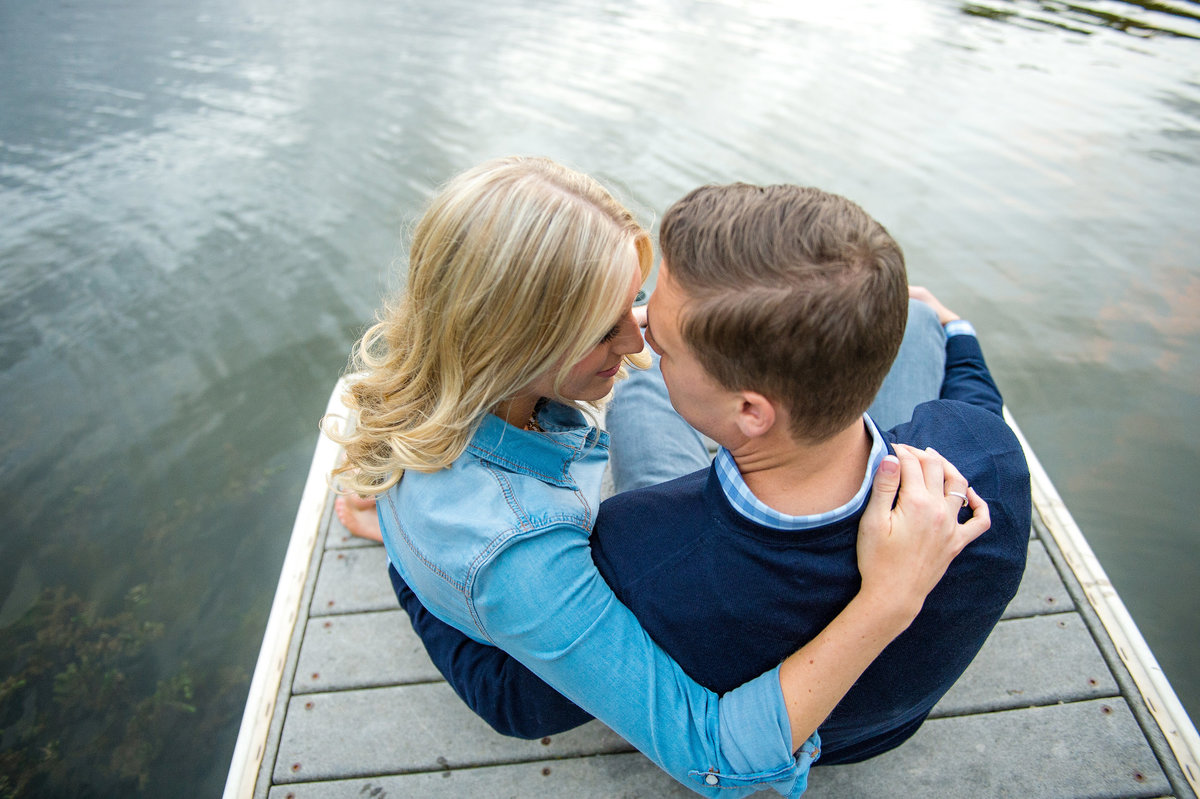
(958, 494)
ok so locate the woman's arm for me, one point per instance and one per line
(498, 687)
(902, 553)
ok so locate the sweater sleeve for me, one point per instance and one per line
(967, 376)
(509, 697)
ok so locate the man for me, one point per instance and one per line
(777, 314)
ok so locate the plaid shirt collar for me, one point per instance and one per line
(749, 506)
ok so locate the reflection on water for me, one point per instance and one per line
(203, 202)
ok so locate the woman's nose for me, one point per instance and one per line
(631, 335)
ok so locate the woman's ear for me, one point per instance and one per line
(756, 415)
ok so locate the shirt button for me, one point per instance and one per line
(711, 779)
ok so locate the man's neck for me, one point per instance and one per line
(805, 479)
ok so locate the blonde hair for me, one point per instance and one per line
(516, 270)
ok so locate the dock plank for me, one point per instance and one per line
(1031, 661)
(409, 728)
(361, 651)
(621, 776)
(1041, 590)
(1082, 749)
(1059, 752)
(353, 580)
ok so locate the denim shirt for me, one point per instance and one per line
(497, 546)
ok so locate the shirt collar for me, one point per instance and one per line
(745, 503)
(546, 456)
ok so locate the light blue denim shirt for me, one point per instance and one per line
(497, 546)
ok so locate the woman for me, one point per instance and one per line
(470, 431)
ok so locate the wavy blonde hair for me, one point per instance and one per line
(516, 270)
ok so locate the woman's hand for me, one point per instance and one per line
(903, 551)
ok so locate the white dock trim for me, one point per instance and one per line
(1152, 684)
(285, 610)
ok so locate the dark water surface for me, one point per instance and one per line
(201, 203)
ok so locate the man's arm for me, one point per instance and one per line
(494, 684)
(967, 376)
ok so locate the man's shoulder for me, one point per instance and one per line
(987, 452)
(977, 441)
(628, 505)
(958, 424)
(645, 526)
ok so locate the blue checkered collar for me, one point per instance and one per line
(745, 503)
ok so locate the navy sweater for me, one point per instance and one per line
(729, 599)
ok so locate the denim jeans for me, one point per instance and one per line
(651, 443)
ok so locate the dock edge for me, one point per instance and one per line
(1160, 698)
(285, 608)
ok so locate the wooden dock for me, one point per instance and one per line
(1064, 700)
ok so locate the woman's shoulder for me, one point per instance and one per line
(492, 492)
(454, 523)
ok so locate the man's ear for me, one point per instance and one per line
(757, 415)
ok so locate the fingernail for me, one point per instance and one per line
(890, 464)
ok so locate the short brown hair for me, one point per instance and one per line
(793, 292)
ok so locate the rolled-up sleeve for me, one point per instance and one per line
(541, 599)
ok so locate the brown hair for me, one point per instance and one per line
(793, 292)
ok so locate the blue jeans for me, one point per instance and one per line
(651, 443)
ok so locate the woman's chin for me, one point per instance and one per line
(596, 391)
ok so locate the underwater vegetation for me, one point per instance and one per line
(83, 711)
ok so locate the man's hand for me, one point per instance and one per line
(903, 551)
(926, 296)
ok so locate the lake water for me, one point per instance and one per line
(202, 202)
